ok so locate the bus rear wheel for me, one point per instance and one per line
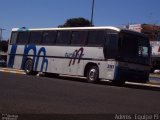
(93, 74)
(28, 67)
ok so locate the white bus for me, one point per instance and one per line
(97, 53)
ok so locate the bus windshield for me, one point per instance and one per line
(134, 48)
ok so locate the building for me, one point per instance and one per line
(152, 31)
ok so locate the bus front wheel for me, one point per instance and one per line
(28, 67)
(93, 74)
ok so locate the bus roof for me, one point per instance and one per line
(68, 28)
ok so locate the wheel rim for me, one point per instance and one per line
(28, 66)
(93, 74)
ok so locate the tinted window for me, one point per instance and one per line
(111, 46)
(129, 46)
(49, 37)
(158, 38)
(113, 43)
(35, 37)
(143, 49)
(63, 37)
(134, 48)
(23, 37)
(96, 37)
(79, 37)
(14, 37)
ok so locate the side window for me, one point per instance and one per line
(111, 46)
(113, 41)
(158, 37)
(63, 37)
(97, 37)
(49, 37)
(14, 37)
(79, 37)
(35, 37)
(23, 38)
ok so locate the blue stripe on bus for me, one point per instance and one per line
(44, 61)
(26, 51)
(35, 57)
(12, 56)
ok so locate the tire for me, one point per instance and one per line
(28, 67)
(93, 74)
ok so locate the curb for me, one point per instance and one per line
(149, 84)
(154, 83)
(9, 70)
(155, 75)
(154, 80)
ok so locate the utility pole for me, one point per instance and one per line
(1, 30)
(92, 12)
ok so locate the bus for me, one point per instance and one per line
(97, 53)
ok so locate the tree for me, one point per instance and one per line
(4, 46)
(76, 22)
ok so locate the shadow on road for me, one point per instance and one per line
(149, 87)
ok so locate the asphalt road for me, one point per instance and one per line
(35, 95)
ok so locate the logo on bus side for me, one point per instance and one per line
(76, 55)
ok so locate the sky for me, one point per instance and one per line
(52, 13)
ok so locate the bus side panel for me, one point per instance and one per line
(15, 55)
(70, 60)
(132, 72)
(56, 59)
(107, 70)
